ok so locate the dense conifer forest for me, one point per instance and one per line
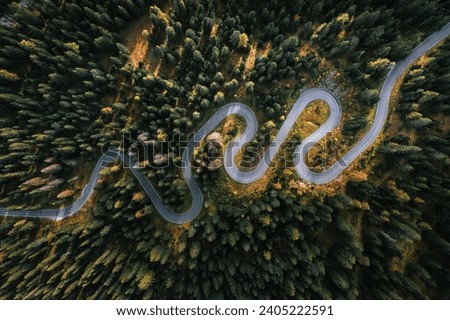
(78, 75)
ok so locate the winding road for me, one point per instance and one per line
(251, 128)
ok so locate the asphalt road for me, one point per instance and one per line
(378, 121)
(233, 148)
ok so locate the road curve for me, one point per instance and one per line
(378, 121)
(250, 130)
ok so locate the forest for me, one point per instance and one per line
(78, 75)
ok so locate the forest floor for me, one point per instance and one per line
(135, 41)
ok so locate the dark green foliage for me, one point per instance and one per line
(67, 86)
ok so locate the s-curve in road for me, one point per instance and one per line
(251, 128)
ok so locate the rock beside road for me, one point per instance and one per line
(210, 156)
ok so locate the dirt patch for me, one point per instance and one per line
(134, 39)
(315, 114)
(306, 49)
(214, 29)
(250, 63)
(266, 50)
